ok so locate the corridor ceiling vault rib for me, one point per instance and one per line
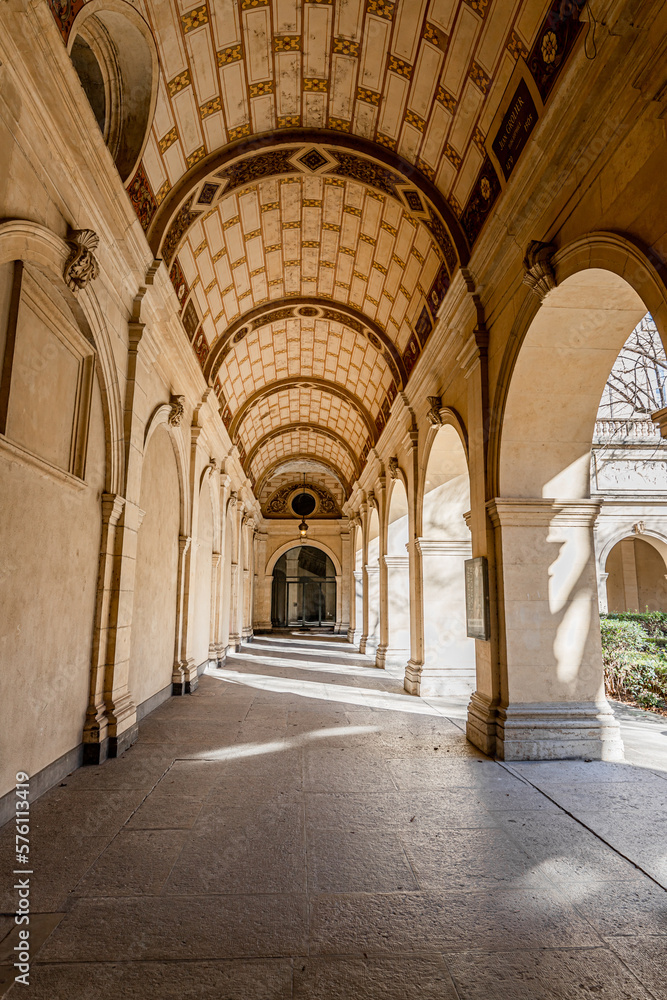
(314, 175)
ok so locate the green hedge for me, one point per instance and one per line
(634, 653)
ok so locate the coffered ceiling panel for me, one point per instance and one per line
(418, 77)
(296, 347)
(316, 172)
(308, 406)
(310, 236)
(304, 443)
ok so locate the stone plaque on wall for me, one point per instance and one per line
(477, 598)
(515, 128)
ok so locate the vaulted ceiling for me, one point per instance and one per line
(314, 175)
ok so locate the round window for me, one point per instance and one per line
(303, 504)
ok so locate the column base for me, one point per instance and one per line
(185, 678)
(368, 645)
(388, 656)
(354, 636)
(96, 753)
(437, 682)
(558, 732)
(119, 744)
(481, 723)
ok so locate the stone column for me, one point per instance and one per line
(448, 668)
(397, 651)
(214, 645)
(603, 597)
(363, 515)
(482, 710)
(343, 588)
(111, 723)
(263, 585)
(236, 596)
(111, 718)
(552, 701)
(354, 632)
(383, 602)
(372, 581)
(184, 676)
(222, 601)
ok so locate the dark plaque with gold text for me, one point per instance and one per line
(518, 122)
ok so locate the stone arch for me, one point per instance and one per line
(300, 456)
(332, 388)
(558, 359)
(297, 137)
(449, 418)
(160, 418)
(155, 600)
(287, 428)
(264, 314)
(315, 543)
(114, 54)
(629, 272)
(448, 667)
(635, 575)
(396, 561)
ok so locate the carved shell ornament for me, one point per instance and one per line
(81, 266)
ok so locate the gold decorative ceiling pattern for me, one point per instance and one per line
(305, 444)
(296, 347)
(310, 236)
(301, 405)
(315, 173)
(418, 77)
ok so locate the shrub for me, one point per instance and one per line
(635, 658)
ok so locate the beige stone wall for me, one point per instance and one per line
(154, 610)
(49, 539)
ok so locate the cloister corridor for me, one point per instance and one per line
(300, 827)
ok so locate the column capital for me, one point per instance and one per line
(396, 561)
(444, 547)
(112, 506)
(520, 512)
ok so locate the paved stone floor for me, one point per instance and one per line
(301, 828)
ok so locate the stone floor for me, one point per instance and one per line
(301, 828)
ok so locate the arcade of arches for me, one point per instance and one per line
(363, 264)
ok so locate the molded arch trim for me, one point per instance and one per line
(273, 559)
(261, 316)
(332, 388)
(317, 428)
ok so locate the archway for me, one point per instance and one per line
(552, 701)
(303, 589)
(155, 584)
(113, 52)
(449, 655)
(636, 575)
(398, 580)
